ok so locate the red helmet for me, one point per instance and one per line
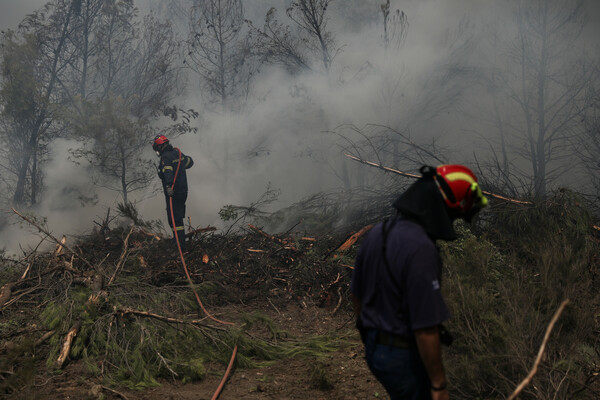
(159, 142)
(459, 188)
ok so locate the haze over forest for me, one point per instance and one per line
(509, 88)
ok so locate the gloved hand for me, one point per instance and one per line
(169, 191)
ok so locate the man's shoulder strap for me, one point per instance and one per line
(385, 230)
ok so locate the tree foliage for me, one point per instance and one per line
(504, 285)
(89, 70)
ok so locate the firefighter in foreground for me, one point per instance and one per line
(172, 172)
(396, 283)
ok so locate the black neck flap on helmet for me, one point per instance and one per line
(423, 203)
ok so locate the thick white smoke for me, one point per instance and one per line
(282, 135)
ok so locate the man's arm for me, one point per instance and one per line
(166, 168)
(428, 342)
(187, 162)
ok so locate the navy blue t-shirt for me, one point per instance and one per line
(406, 296)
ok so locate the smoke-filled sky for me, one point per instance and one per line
(13, 11)
(282, 138)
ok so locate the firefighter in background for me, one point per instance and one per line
(396, 283)
(172, 172)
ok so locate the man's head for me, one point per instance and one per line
(440, 196)
(460, 190)
(160, 143)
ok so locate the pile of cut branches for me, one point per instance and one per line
(119, 301)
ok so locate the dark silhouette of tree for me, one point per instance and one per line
(217, 50)
(395, 27)
(137, 80)
(588, 144)
(542, 86)
(87, 19)
(37, 58)
(311, 18)
(296, 49)
(275, 43)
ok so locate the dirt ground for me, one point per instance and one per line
(345, 369)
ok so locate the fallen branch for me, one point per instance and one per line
(256, 251)
(149, 234)
(271, 303)
(200, 230)
(273, 238)
(97, 286)
(67, 344)
(372, 164)
(6, 293)
(347, 243)
(166, 364)
(21, 294)
(339, 291)
(538, 359)
(352, 239)
(44, 337)
(26, 271)
(127, 310)
(48, 234)
(122, 258)
(395, 171)
(59, 246)
(66, 266)
(121, 395)
(110, 324)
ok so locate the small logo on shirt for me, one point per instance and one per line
(435, 284)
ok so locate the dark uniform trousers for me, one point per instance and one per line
(179, 214)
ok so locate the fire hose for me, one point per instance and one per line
(187, 274)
